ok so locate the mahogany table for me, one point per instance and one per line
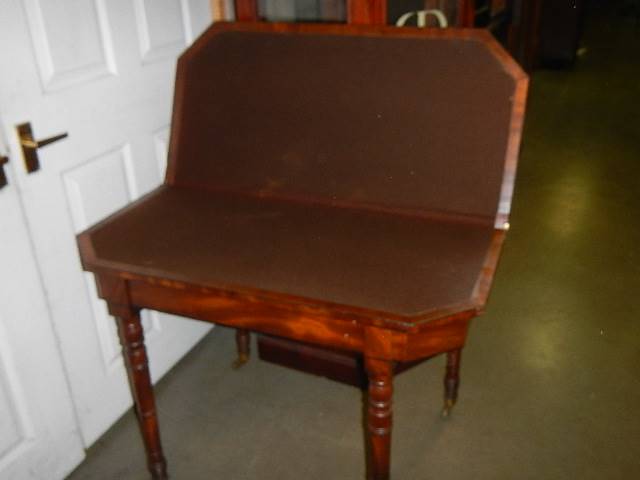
(340, 189)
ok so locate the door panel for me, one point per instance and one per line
(197, 16)
(161, 142)
(102, 71)
(95, 189)
(71, 41)
(39, 438)
(15, 423)
(160, 26)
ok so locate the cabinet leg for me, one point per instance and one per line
(379, 418)
(451, 381)
(137, 364)
(243, 343)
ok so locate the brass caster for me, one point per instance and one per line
(242, 359)
(448, 406)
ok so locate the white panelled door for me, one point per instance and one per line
(38, 433)
(102, 71)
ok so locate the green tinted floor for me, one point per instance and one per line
(551, 374)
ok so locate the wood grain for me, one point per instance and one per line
(367, 12)
(379, 417)
(246, 10)
(137, 365)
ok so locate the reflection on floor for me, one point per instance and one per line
(551, 374)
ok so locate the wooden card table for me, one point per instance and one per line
(343, 190)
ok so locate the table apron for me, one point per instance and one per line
(297, 322)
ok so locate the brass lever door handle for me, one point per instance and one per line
(3, 176)
(30, 146)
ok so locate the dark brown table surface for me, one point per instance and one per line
(392, 263)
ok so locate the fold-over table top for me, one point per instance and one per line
(381, 261)
(396, 117)
(361, 167)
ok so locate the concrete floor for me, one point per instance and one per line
(551, 374)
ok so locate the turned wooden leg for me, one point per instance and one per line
(243, 342)
(451, 381)
(135, 358)
(379, 421)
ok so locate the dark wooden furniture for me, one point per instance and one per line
(460, 13)
(560, 32)
(371, 12)
(341, 187)
(515, 23)
(367, 12)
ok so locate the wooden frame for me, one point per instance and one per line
(363, 12)
(382, 338)
(246, 10)
(360, 12)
